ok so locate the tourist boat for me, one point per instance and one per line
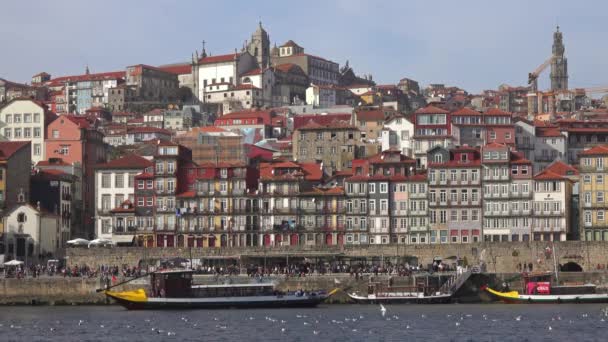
(538, 289)
(174, 290)
(378, 293)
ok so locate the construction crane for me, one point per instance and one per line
(533, 76)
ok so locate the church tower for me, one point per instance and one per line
(259, 46)
(559, 64)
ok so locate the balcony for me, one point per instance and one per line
(118, 230)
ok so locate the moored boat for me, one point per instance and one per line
(538, 289)
(174, 290)
(378, 293)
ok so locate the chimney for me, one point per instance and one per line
(38, 205)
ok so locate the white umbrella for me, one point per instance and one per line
(100, 242)
(13, 263)
(78, 242)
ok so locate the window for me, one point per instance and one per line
(36, 117)
(36, 132)
(493, 135)
(55, 134)
(140, 201)
(383, 188)
(319, 150)
(17, 118)
(9, 118)
(149, 184)
(600, 215)
(599, 179)
(170, 167)
(474, 215)
(587, 179)
(140, 184)
(170, 185)
(119, 180)
(372, 188)
(106, 180)
(149, 201)
(600, 196)
(507, 135)
(37, 149)
(7, 133)
(27, 132)
(27, 118)
(17, 132)
(159, 167)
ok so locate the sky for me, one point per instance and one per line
(472, 44)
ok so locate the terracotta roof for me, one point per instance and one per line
(431, 110)
(494, 144)
(8, 148)
(496, 112)
(178, 69)
(548, 175)
(290, 43)
(286, 67)
(144, 175)
(245, 86)
(370, 115)
(518, 158)
(80, 121)
(52, 163)
(335, 124)
(219, 58)
(253, 72)
(147, 129)
(465, 111)
(304, 119)
(562, 168)
(309, 171)
(187, 194)
(548, 132)
(248, 114)
(595, 151)
(90, 77)
(129, 161)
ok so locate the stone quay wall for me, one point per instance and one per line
(498, 257)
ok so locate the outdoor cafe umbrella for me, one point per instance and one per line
(78, 242)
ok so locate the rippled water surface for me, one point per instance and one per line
(495, 322)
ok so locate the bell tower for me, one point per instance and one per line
(259, 46)
(559, 64)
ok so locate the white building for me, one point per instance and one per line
(213, 72)
(31, 232)
(397, 134)
(552, 198)
(321, 96)
(114, 184)
(26, 120)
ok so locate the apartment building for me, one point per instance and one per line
(593, 189)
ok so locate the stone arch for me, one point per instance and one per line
(571, 266)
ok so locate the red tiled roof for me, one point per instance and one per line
(465, 111)
(290, 43)
(90, 77)
(285, 67)
(596, 150)
(178, 69)
(253, 72)
(494, 144)
(147, 129)
(430, 109)
(245, 86)
(496, 112)
(370, 115)
(302, 120)
(53, 163)
(80, 121)
(8, 148)
(187, 194)
(144, 175)
(548, 132)
(338, 124)
(248, 114)
(562, 168)
(548, 175)
(129, 161)
(518, 158)
(219, 58)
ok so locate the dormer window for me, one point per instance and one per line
(464, 158)
(438, 158)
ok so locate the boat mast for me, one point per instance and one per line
(555, 264)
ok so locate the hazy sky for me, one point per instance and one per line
(472, 44)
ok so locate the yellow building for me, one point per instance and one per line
(593, 191)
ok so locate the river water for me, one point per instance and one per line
(457, 322)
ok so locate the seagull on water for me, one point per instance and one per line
(518, 318)
(382, 310)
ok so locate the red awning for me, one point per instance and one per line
(453, 232)
(475, 231)
(464, 232)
